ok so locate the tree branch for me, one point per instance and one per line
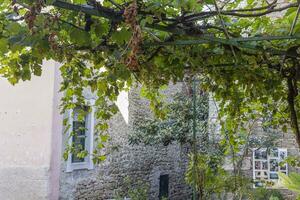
(240, 12)
(295, 21)
(237, 42)
(47, 14)
(224, 27)
(87, 9)
(111, 14)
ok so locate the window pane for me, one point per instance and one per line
(265, 165)
(79, 129)
(273, 165)
(282, 155)
(264, 175)
(273, 176)
(79, 144)
(258, 174)
(257, 164)
(260, 154)
(257, 154)
(274, 152)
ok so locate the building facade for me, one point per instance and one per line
(151, 166)
(33, 141)
(30, 133)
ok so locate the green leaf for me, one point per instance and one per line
(37, 70)
(209, 1)
(104, 138)
(79, 37)
(122, 36)
(79, 1)
(3, 45)
(101, 158)
(103, 127)
(13, 80)
(14, 28)
(101, 28)
(49, 2)
(65, 155)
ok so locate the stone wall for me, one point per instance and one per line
(147, 163)
(138, 163)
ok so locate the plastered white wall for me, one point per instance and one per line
(26, 116)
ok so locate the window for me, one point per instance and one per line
(79, 139)
(164, 186)
(83, 128)
(266, 165)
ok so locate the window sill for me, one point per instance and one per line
(79, 166)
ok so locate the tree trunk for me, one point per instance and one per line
(292, 93)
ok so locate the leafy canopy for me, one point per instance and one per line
(247, 52)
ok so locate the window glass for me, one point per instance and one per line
(266, 165)
(79, 138)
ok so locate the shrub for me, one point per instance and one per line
(135, 190)
(266, 194)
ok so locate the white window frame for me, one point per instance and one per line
(89, 140)
(269, 157)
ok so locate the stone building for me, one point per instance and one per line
(149, 165)
(152, 164)
(33, 142)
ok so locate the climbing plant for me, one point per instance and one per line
(247, 51)
(177, 125)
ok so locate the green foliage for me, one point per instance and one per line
(239, 52)
(206, 175)
(293, 161)
(291, 182)
(265, 194)
(210, 179)
(135, 190)
(176, 125)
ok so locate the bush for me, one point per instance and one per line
(135, 190)
(266, 194)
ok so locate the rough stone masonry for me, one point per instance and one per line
(138, 163)
(145, 164)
